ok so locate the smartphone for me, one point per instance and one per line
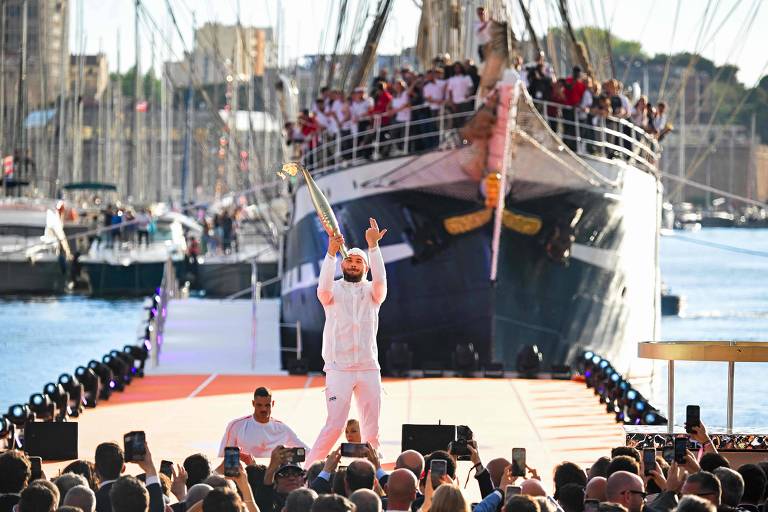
(692, 417)
(512, 490)
(518, 461)
(668, 453)
(649, 460)
(438, 468)
(358, 450)
(166, 468)
(135, 446)
(37, 468)
(231, 461)
(591, 505)
(681, 445)
(295, 455)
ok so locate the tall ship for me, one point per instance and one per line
(565, 259)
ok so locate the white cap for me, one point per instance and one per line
(358, 252)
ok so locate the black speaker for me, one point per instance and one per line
(425, 439)
(51, 440)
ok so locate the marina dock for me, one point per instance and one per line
(204, 380)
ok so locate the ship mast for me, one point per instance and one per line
(371, 44)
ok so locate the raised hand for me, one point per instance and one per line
(335, 243)
(373, 234)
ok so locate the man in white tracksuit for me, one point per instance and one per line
(349, 339)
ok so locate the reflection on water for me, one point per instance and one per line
(45, 337)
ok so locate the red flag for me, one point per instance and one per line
(8, 165)
(142, 106)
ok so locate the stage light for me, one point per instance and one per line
(75, 389)
(654, 418)
(588, 355)
(107, 381)
(139, 353)
(603, 364)
(465, 359)
(493, 371)
(632, 395)
(57, 395)
(19, 414)
(596, 359)
(91, 385)
(529, 361)
(398, 359)
(122, 365)
(42, 407)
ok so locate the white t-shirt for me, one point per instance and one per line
(259, 439)
(397, 102)
(483, 34)
(358, 110)
(434, 90)
(459, 87)
(339, 108)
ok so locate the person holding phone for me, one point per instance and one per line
(258, 434)
(349, 348)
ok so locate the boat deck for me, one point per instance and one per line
(185, 403)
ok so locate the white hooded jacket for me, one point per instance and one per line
(351, 315)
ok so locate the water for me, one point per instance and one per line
(45, 337)
(726, 299)
(725, 292)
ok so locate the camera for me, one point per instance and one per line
(295, 455)
(459, 447)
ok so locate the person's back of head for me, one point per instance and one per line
(198, 468)
(521, 504)
(110, 461)
(217, 481)
(532, 487)
(571, 498)
(366, 500)
(68, 508)
(692, 503)
(441, 455)
(623, 463)
(402, 487)
(600, 468)
(703, 484)
(629, 451)
(128, 495)
(67, 481)
(618, 483)
(711, 461)
(81, 496)
(545, 504)
(732, 485)
(37, 498)
(300, 500)
(86, 469)
(51, 486)
(568, 473)
(222, 500)
(412, 461)
(332, 503)
(196, 493)
(314, 470)
(495, 468)
(15, 471)
(754, 483)
(448, 498)
(360, 475)
(611, 507)
(595, 489)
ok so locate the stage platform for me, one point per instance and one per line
(204, 380)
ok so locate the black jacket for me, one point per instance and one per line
(156, 503)
(7, 501)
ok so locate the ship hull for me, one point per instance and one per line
(114, 280)
(39, 278)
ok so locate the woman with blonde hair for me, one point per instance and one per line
(448, 498)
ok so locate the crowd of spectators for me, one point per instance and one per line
(407, 105)
(617, 482)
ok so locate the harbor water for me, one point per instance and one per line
(723, 285)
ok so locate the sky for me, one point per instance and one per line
(733, 30)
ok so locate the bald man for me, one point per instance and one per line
(596, 489)
(532, 487)
(401, 490)
(412, 461)
(627, 489)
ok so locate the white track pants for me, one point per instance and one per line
(339, 387)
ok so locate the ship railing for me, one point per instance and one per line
(607, 137)
(299, 346)
(425, 129)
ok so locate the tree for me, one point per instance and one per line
(151, 86)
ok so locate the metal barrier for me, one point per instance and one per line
(608, 136)
(726, 351)
(169, 288)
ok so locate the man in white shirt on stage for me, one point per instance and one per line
(349, 339)
(259, 433)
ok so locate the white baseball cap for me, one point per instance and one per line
(358, 252)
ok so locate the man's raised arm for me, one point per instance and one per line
(378, 271)
(327, 269)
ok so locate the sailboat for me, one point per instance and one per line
(563, 258)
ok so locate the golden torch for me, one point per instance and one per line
(322, 207)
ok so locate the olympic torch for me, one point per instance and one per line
(322, 207)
